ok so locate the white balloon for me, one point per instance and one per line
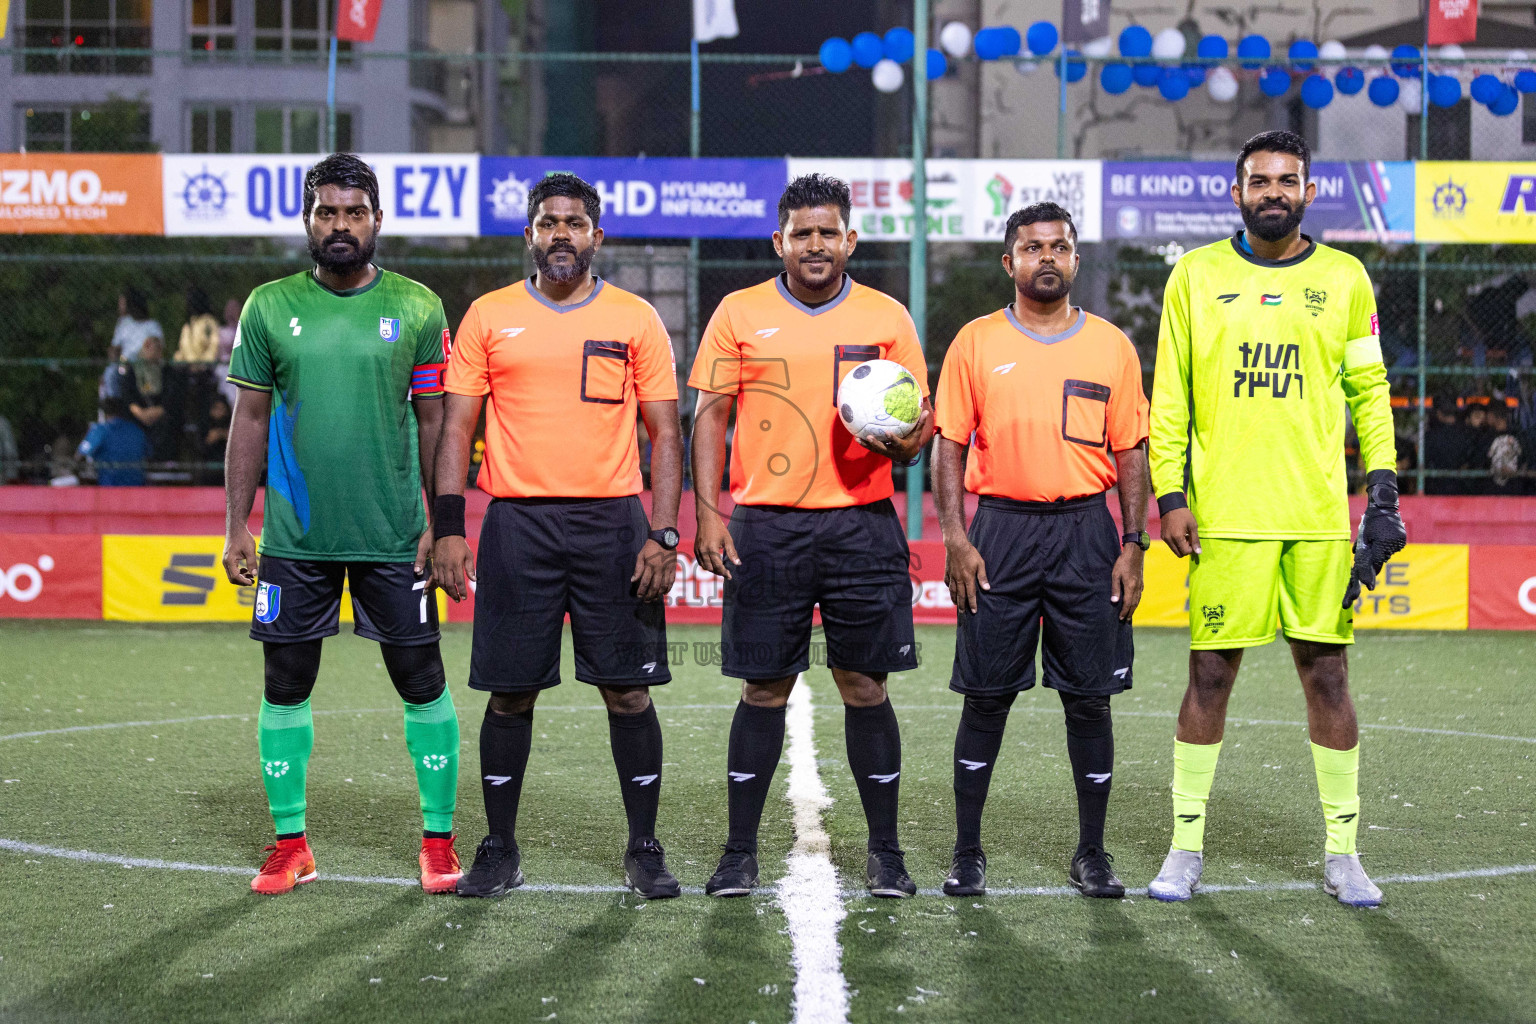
(1517, 57)
(955, 38)
(1099, 47)
(1222, 85)
(1331, 50)
(1409, 98)
(1375, 52)
(887, 75)
(1168, 44)
(1026, 67)
(1450, 51)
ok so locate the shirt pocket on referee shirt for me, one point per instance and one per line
(1085, 413)
(604, 371)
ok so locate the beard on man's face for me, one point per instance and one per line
(1271, 226)
(816, 270)
(563, 273)
(342, 252)
(1047, 284)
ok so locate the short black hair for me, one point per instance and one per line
(1276, 142)
(134, 302)
(812, 190)
(1036, 213)
(345, 170)
(571, 187)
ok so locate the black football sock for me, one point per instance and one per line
(636, 741)
(1091, 748)
(977, 743)
(504, 743)
(874, 755)
(757, 743)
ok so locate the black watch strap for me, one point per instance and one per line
(667, 537)
(1140, 538)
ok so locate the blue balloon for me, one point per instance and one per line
(899, 45)
(1147, 74)
(1274, 82)
(1316, 92)
(1349, 81)
(1076, 69)
(1196, 75)
(1041, 38)
(1010, 39)
(836, 55)
(1486, 88)
(868, 48)
(1444, 90)
(1211, 48)
(1525, 81)
(987, 44)
(1115, 78)
(1507, 103)
(1255, 49)
(1301, 53)
(1405, 61)
(1384, 90)
(1136, 41)
(937, 65)
(1173, 84)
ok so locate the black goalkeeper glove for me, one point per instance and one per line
(1381, 536)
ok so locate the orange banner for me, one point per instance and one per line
(81, 194)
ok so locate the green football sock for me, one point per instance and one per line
(285, 734)
(432, 737)
(1338, 786)
(1194, 766)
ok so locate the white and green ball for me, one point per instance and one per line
(879, 397)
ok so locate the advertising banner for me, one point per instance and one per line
(1503, 588)
(1474, 201)
(357, 20)
(422, 194)
(1358, 201)
(50, 576)
(80, 194)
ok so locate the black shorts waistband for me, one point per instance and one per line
(1042, 508)
(535, 502)
(878, 505)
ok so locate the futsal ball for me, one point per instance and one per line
(879, 396)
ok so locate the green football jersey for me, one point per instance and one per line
(343, 473)
(1256, 361)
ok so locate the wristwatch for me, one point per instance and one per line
(667, 537)
(1143, 539)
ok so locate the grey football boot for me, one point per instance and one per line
(1180, 877)
(1344, 878)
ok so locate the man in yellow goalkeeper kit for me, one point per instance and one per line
(1265, 338)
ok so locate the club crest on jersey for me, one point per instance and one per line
(269, 601)
(1316, 298)
(1215, 616)
(389, 329)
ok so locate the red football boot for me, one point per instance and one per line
(440, 869)
(292, 863)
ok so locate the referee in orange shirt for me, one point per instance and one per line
(1049, 400)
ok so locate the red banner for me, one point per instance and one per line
(1502, 591)
(50, 576)
(1452, 21)
(357, 20)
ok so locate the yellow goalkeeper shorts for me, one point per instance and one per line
(1241, 591)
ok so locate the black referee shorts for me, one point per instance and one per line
(300, 600)
(853, 562)
(1047, 562)
(541, 558)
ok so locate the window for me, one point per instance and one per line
(1450, 132)
(212, 30)
(117, 126)
(1528, 119)
(212, 130)
(296, 29)
(71, 24)
(299, 130)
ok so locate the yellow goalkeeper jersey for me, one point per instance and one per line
(1256, 361)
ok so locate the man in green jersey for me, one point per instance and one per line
(340, 373)
(1265, 338)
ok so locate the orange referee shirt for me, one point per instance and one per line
(564, 386)
(1047, 413)
(783, 361)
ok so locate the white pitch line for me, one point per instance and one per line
(809, 892)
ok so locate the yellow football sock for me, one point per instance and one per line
(1194, 766)
(1338, 786)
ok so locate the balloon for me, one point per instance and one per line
(1450, 51)
(937, 65)
(868, 49)
(1525, 80)
(1115, 78)
(1211, 48)
(955, 37)
(1349, 81)
(1411, 98)
(1135, 41)
(1173, 84)
(1169, 44)
(887, 75)
(1444, 90)
(1010, 39)
(988, 43)
(1374, 52)
(1506, 104)
(1147, 74)
(1332, 50)
(1405, 61)
(1255, 48)
(1316, 92)
(1041, 38)
(836, 55)
(1516, 57)
(1195, 73)
(1026, 66)
(1274, 82)
(1301, 53)
(1099, 47)
(899, 45)
(1222, 85)
(1076, 69)
(1486, 88)
(1383, 91)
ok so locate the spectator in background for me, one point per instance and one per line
(196, 354)
(1448, 444)
(134, 325)
(1407, 466)
(227, 332)
(116, 446)
(149, 377)
(1504, 458)
(1482, 437)
(10, 456)
(215, 438)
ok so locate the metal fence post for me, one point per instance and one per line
(917, 249)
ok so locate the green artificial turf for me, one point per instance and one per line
(92, 941)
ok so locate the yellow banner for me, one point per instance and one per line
(1424, 586)
(1475, 201)
(181, 579)
(5, 16)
